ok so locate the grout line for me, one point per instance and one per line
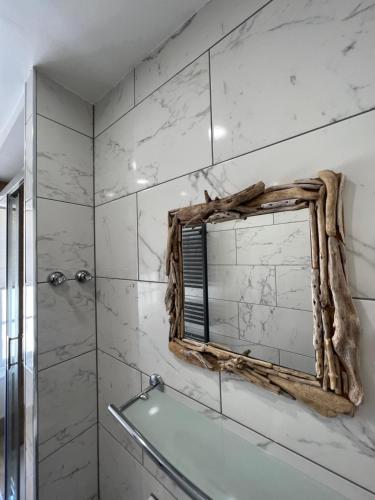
(45, 282)
(256, 226)
(133, 87)
(364, 298)
(95, 306)
(137, 235)
(134, 280)
(192, 61)
(66, 360)
(240, 155)
(68, 442)
(103, 426)
(275, 269)
(66, 126)
(220, 395)
(64, 201)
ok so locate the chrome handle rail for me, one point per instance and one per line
(117, 412)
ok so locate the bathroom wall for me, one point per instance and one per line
(239, 95)
(66, 332)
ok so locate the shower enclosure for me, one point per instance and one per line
(11, 311)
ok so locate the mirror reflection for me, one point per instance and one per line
(247, 287)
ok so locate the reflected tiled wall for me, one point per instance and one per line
(275, 320)
(280, 112)
(66, 335)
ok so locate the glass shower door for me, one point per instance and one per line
(14, 383)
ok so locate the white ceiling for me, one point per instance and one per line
(85, 45)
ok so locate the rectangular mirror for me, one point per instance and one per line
(247, 287)
(257, 286)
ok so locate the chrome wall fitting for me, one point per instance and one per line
(56, 278)
(83, 276)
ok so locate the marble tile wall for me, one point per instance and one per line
(280, 112)
(65, 315)
(71, 472)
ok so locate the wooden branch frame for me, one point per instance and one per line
(336, 388)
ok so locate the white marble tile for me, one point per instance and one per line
(116, 239)
(64, 163)
(294, 216)
(117, 383)
(347, 147)
(122, 477)
(136, 151)
(297, 362)
(253, 284)
(221, 247)
(133, 326)
(65, 240)
(202, 30)
(223, 318)
(66, 321)
(335, 443)
(316, 79)
(283, 244)
(61, 105)
(293, 285)
(115, 103)
(287, 329)
(254, 221)
(239, 345)
(30, 151)
(117, 319)
(71, 472)
(66, 402)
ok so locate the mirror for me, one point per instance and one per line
(257, 286)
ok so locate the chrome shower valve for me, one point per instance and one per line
(56, 278)
(83, 276)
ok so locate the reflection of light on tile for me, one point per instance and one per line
(142, 182)
(110, 194)
(219, 132)
(153, 411)
(134, 165)
(183, 193)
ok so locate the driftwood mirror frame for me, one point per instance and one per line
(336, 388)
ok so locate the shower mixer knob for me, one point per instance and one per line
(83, 276)
(56, 278)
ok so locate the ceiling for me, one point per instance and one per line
(86, 46)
